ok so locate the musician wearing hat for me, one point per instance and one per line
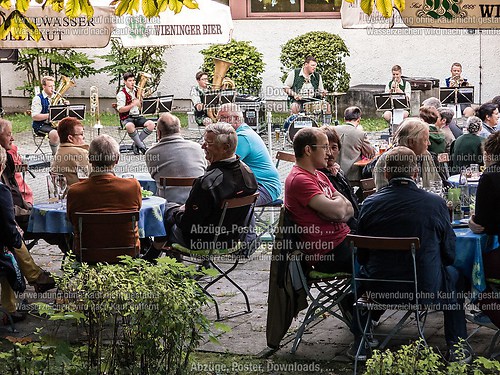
(304, 84)
(128, 106)
(40, 113)
(198, 99)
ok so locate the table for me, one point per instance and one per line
(469, 248)
(51, 218)
(147, 182)
(363, 162)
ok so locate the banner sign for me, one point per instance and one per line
(59, 31)
(459, 14)
(353, 17)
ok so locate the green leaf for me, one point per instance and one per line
(73, 8)
(6, 4)
(149, 8)
(22, 5)
(367, 6)
(400, 4)
(384, 7)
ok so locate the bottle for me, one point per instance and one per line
(464, 194)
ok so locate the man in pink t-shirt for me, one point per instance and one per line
(318, 210)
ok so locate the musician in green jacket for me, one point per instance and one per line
(305, 83)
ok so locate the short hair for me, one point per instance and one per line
(429, 114)
(104, 152)
(352, 113)
(201, 74)
(331, 134)
(473, 124)
(492, 146)
(66, 127)
(410, 128)
(432, 102)
(224, 134)
(304, 137)
(486, 109)
(3, 124)
(447, 113)
(400, 161)
(396, 68)
(309, 58)
(168, 124)
(46, 79)
(496, 100)
(3, 158)
(232, 110)
(456, 64)
(128, 75)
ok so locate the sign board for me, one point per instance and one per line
(353, 17)
(60, 31)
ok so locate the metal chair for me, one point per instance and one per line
(38, 139)
(365, 302)
(104, 236)
(213, 254)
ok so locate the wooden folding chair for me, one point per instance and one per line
(367, 187)
(104, 236)
(213, 254)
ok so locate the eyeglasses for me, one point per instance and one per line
(74, 135)
(324, 147)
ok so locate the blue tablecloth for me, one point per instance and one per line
(147, 182)
(469, 249)
(51, 218)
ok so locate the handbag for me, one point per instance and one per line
(10, 270)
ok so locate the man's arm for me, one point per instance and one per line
(367, 149)
(288, 86)
(337, 208)
(196, 100)
(36, 110)
(120, 103)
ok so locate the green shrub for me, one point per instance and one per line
(329, 50)
(248, 65)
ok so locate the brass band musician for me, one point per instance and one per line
(456, 79)
(198, 99)
(40, 112)
(397, 85)
(128, 106)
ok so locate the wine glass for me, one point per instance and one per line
(62, 185)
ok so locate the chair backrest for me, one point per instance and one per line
(176, 181)
(230, 223)
(103, 236)
(396, 244)
(368, 186)
(285, 156)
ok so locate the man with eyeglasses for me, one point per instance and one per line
(318, 210)
(72, 157)
(198, 99)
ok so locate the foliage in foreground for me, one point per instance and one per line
(139, 319)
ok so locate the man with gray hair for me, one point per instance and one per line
(103, 191)
(174, 156)
(355, 145)
(399, 210)
(192, 225)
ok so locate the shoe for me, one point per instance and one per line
(346, 307)
(352, 352)
(460, 355)
(142, 150)
(16, 318)
(481, 319)
(135, 149)
(44, 282)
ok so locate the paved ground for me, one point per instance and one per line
(326, 340)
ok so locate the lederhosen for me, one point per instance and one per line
(199, 116)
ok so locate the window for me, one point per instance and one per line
(294, 8)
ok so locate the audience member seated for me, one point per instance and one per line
(103, 191)
(403, 210)
(355, 145)
(488, 113)
(24, 188)
(414, 134)
(337, 176)
(487, 220)
(319, 210)
(468, 148)
(444, 111)
(226, 177)
(431, 116)
(11, 238)
(294, 113)
(72, 157)
(174, 156)
(446, 117)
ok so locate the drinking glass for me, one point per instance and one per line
(52, 188)
(436, 187)
(62, 185)
(475, 171)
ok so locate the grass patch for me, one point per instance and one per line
(374, 124)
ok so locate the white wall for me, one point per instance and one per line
(421, 52)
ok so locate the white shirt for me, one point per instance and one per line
(307, 90)
(36, 104)
(121, 100)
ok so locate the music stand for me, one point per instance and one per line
(457, 96)
(215, 98)
(58, 112)
(165, 103)
(149, 106)
(391, 102)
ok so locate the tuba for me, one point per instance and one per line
(143, 80)
(65, 84)
(94, 109)
(220, 81)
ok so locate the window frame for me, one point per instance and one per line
(242, 10)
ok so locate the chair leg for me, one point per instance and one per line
(396, 329)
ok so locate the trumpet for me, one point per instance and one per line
(457, 81)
